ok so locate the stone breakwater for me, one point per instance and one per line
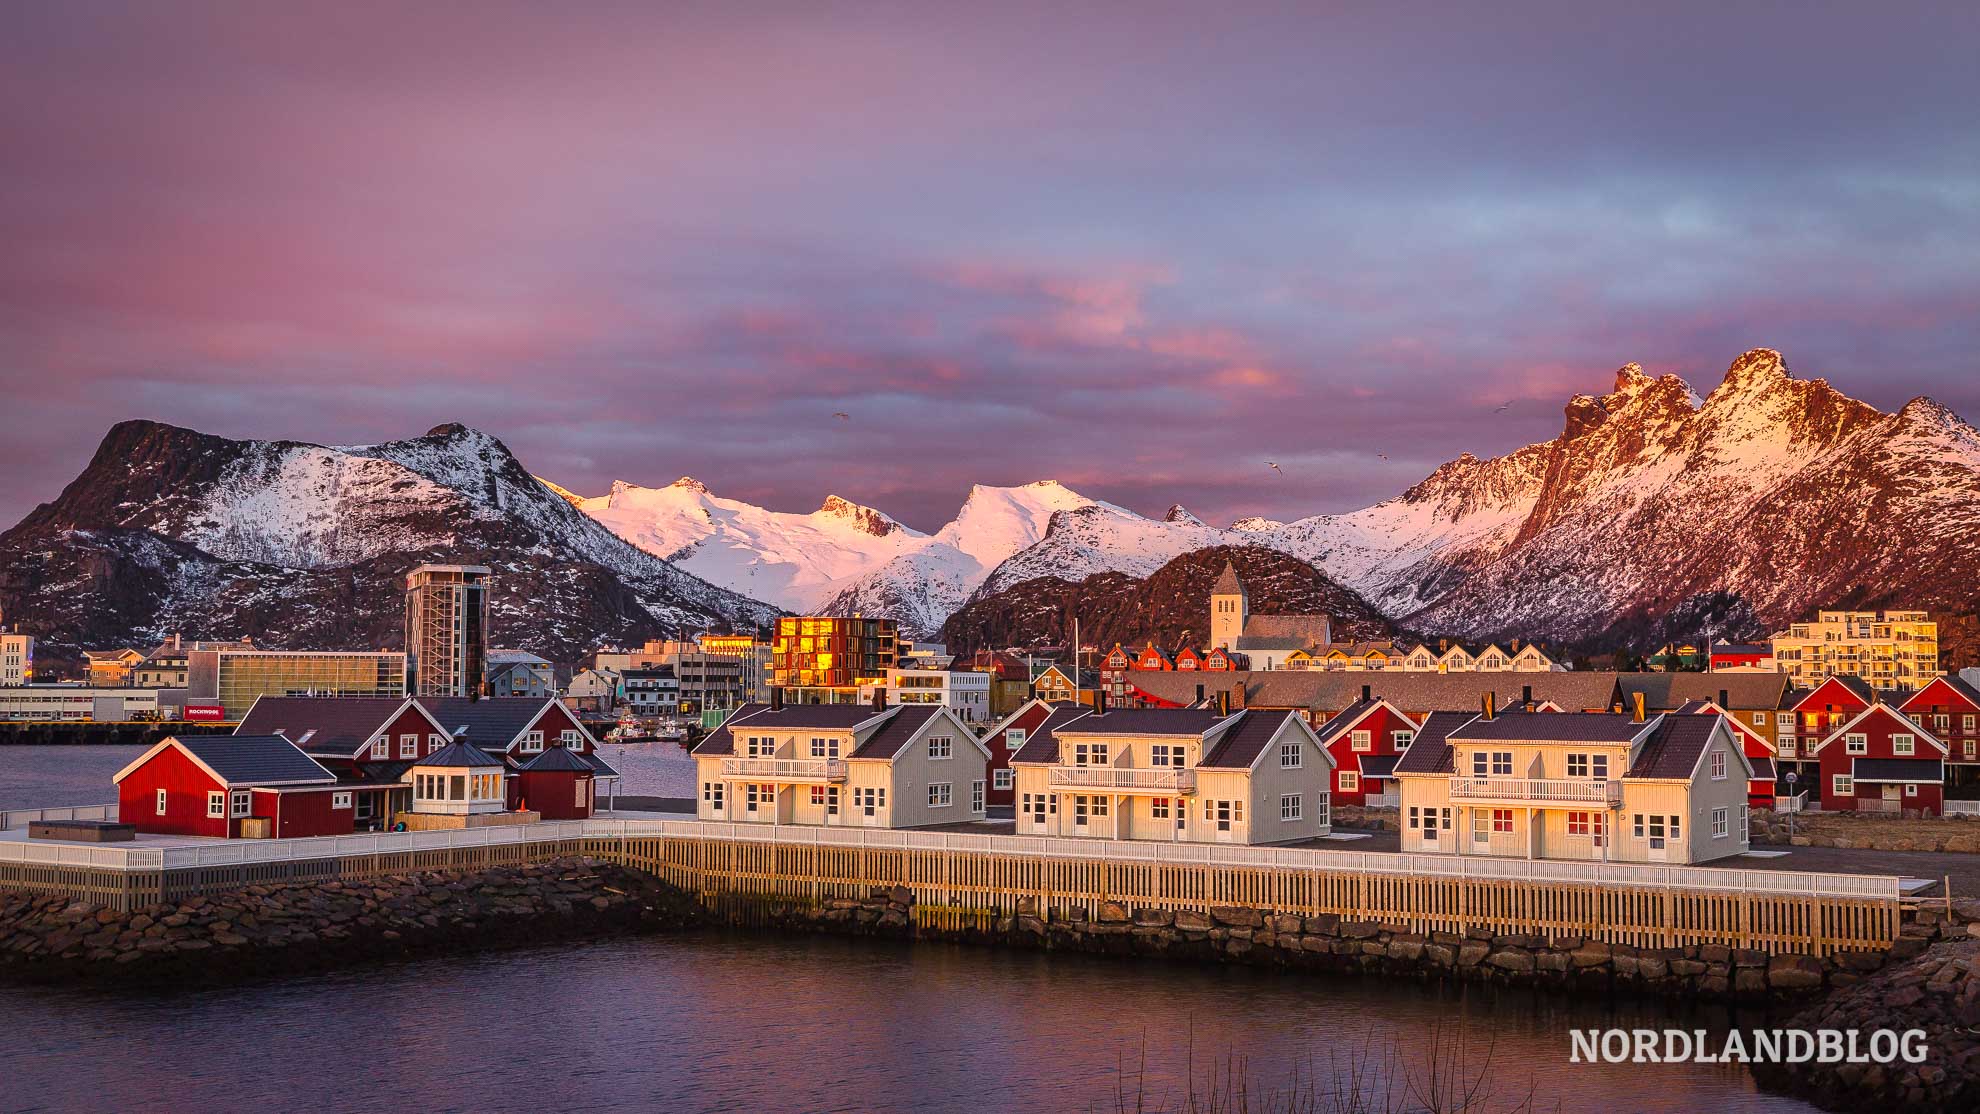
(1234, 934)
(1364, 817)
(1958, 834)
(310, 926)
(1937, 992)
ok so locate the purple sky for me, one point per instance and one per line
(1139, 252)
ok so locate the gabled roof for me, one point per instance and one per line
(1377, 765)
(1308, 630)
(1415, 693)
(1239, 744)
(899, 728)
(494, 723)
(1041, 747)
(1879, 708)
(1027, 710)
(1354, 714)
(1711, 708)
(1675, 748)
(1664, 691)
(599, 767)
(336, 725)
(1887, 771)
(1856, 686)
(1954, 682)
(1430, 751)
(460, 753)
(243, 761)
(1554, 727)
(1763, 768)
(555, 759)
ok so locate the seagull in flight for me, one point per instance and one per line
(1502, 408)
(1382, 456)
(1275, 467)
(842, 415)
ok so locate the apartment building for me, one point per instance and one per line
(1949, 707)
(1889, 649)
(1185, 775)
(842, 765)
(16, 658)
(964, 692)
(825, 658)
(1590, 786)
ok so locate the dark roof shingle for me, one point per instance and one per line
(1430, 751)
(1673, 750)
(1552, 727)
(887, 739)
(1150, 721)
(1042, 745)
(1887, 770)
(249, 760)
(341, 724)
(492, 724)
(1240, 744)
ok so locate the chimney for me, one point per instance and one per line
(1636, 707)
(1224, 703)
(1487, 700)
(1367, 694)
(1199, 696)
(879, 696)
(1099, 702)
(1526, 697)
(776, 698)
(1443, 644)
(1237, 696)
(1724, 704)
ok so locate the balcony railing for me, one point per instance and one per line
(786, 769)
(1158, 779)
(1564, 790)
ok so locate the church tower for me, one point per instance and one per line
(1228, 609)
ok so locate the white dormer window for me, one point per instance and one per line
(532, 742)
(571, 739)
(1402, 739)
(381, 747)
(1289, 755)
(1904, 745)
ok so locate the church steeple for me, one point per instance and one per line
(1229, 607)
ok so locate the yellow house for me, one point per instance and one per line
(1185, 775)
(1590, 786)
(842, 765)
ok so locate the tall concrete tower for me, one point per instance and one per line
(1229, 608)
(447, 628)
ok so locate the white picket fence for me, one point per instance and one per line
(1963, 808)
(244, 852)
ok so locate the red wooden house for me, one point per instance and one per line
(558, 784)
(1366, 741)
(1880, 761)
(1950, 709)
(1006, 739)
(1221, 660)
(1153, 659)
(369, 742)
(517, 729)
(207, 785)
(1188, 659)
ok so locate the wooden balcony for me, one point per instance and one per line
(785, 769)
(1533, 790)
(1164, 781)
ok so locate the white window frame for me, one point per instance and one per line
(1721, 823)
(240, 803)
(1842, 785)
(1349, 781)
(1502, 763)
(1401, 739)
(941, 794)
(1856, 743)
(216, 805)
(1004, 778)
(161, 802)
(381, 747)
(941, 748)
(1361, 739)
(532, 742)
(435, 742)
(340, 799)
(977, 795)
(1292, 807)
(1014, 739)
(1904, 745)
(409, 746)
(1290, 756)
(711, 792)
(1910, 789)
(1719, 765)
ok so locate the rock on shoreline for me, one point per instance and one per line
(319, 925)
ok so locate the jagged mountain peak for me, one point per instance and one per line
(689, 483)
(1179, 513)
(865, 519)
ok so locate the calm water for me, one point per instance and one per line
(720, 1022)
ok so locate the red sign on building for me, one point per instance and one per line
(205, 712)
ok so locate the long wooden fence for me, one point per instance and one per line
(972, 881)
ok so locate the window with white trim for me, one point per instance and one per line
(1594, 766)
(824, 747)
(161, 802)
(711, 792)
(381, 747)
(1843, 785)
(340, 800)
(1289, 755)
(1348, 781)
(1759, 719)
(435, 742)
(1904, 745)
(1004, 779)
(1745, 822)
(1014, 739)
(941, 747)
(216, 805)
(1089, 754)
(571, 739)
(1292, 806)
(818, 796)
(1361, 740)
(751, 798)
(1911, 790)
(1721, 823)
(1401, 739)
(939, 794)
(976, 796)
(1158, 808)
(1165, 755)
(1718, 765)
(532, 742)
(1856, 743)
(242, 801)
(409, 746)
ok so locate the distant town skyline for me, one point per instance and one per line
(1140, 249)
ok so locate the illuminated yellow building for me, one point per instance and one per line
(239, 677)
(828, 658)
(1889, 649)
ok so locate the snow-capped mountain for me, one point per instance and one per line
(305, 545)
(840, 558)
(1784, 492)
